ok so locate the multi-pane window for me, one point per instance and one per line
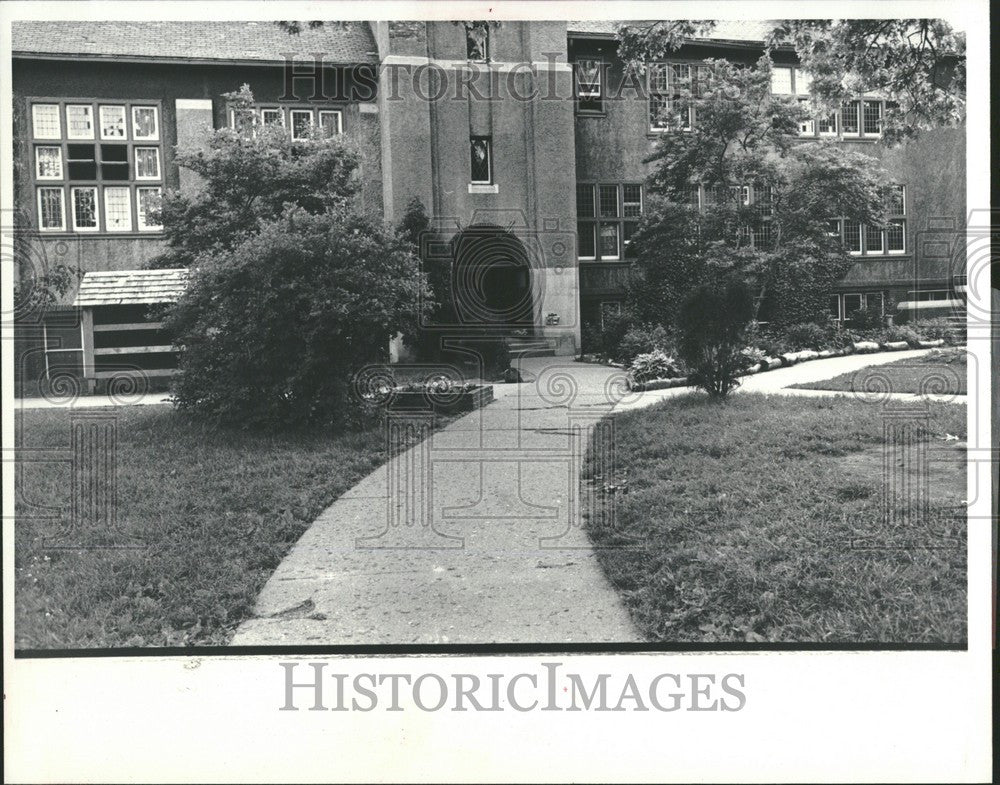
(828, 125)
(89, 160)
(865, 239)
(842, 306)
(481, 159)
(850, 121)
(589, 75)
(607, 216)
(669, 85)
(872, 118)
(300, 120)
(781, 80)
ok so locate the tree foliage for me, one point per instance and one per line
(917, 65)
(766, 202)
(250, 174)
(273, 329)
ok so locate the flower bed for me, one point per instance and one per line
(437, 397)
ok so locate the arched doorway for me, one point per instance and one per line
(491, 279)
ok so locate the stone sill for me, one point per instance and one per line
(484, 188)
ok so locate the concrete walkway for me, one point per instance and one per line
(474, 536)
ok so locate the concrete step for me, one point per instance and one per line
(531, 347)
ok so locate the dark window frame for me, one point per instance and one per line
(488, 141)
(624, 224)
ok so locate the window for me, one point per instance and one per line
(610, 310)
(50, 209)
(828, 125)
(669, 87)
(147, 203)
(895, 236)
(302, 122)
(117, 209)
(79, 121)
(112, 122)
(589, 85)
(145, 123)
(781, 80)
(607, 216)
(835, 306)
(849, 118)
(873, 118)
(269, 117)
(45, 121)
(852, 303)
(873, 239)
(477, 41)
(929, 295)
(147, 163)
(481, 158)
(85, 209)
(91, 161)
(331, 121)
(852, 236)
(48, 163)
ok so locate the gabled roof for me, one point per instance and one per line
(262, 41)
(725, 29)
(131, 287)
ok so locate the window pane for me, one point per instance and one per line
(45, 121)
(803, 81)
(62, 336)
(148, 203)
(480, 157)
(632, 200)
(81, 163)
(895, 235)
(659, 79)
(835, 306)
(114, 162)
(609, 241)
(873, 117)
(849, 117)
(147, 163)
(833, 227)
(79, 121)
(301, 123)
(781, 80)
(585, 239)
(852, 303)
(762, 236)
(873, 239)
(608, 201)
(50, 208)
(659, 110)
(112, 122)
(117, 210)
(852, 236)
(806, 127)
(331, 123)
(84, 208)
(272, 116)
(828, 125)
(628, 231)
(585, 200)
(48, 163)
(896, 200)
(144, 123)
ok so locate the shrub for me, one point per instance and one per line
(712, 322)
(865, 319)
(895, 332)
(643, 340)
(933, 329)
(808, 335)
(654, 365)
(273, 331)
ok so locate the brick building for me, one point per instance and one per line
(507, 134)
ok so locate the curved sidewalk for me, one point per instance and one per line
(472, 536)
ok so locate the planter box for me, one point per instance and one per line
(417, 401)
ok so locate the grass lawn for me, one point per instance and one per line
(215, 513)
(739, 517)
(940, 372)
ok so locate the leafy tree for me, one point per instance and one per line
(745, 141)
(273, 329)
(917, 64)
(712, 323)
(251, 173)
